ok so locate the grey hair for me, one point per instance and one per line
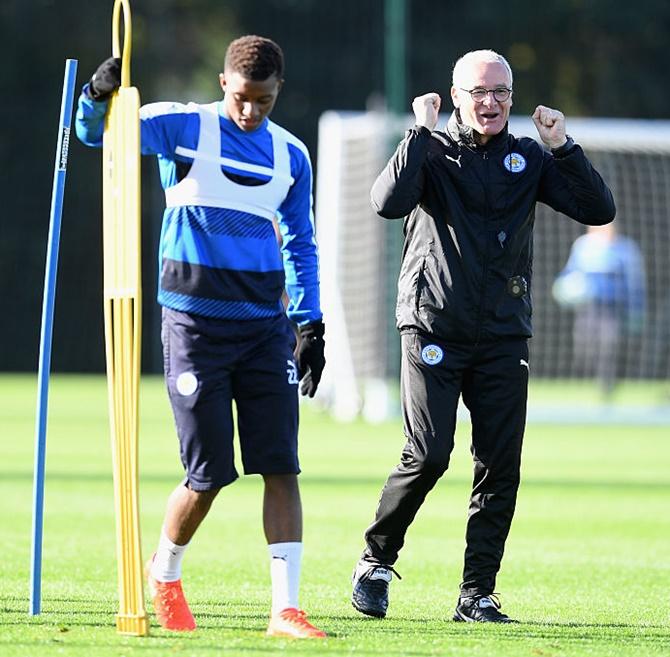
(473, 56)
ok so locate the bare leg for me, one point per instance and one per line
(282, 522)
(186, 509)
(282, 509)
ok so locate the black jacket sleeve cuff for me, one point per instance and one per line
(421, 129)
(562, 151)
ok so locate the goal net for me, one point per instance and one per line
(360, 259)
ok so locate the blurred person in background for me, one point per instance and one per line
(228, 172)
(604, 281)
(464, 310)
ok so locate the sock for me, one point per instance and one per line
(285, 561)
(166, 566)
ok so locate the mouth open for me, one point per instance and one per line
(489, 116)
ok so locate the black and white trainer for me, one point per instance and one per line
(480, 609)
(371, 588)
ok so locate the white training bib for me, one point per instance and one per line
(207, 185)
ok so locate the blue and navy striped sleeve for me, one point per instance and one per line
(161, 124)
(89, 121)
(296, 225)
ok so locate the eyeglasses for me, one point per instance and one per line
(478, 94)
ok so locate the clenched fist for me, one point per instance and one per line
(426, 109)
(550, 124)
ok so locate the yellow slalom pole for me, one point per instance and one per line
(123, 319)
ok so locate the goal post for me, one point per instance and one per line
(354, 247)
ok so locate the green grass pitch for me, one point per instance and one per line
(586, 570)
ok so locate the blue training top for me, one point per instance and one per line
(613, 273)
(218, 254)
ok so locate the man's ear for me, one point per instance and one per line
(454, 97)
(222, 81)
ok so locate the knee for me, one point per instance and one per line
(501, 476)
(427, 455)
(281, 482)
(435, 463)
(203, 498)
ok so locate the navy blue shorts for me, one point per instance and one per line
(209, 363)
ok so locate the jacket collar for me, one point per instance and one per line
(465, 135)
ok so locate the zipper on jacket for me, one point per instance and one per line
(485, 266)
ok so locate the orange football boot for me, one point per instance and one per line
(170, 605)
(293, 623)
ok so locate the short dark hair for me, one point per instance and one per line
(255, 57)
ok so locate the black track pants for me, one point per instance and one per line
(493, 379)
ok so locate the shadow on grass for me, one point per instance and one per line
(524, 628)
(326, 480)
(247, 621)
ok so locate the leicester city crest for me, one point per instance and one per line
(431, 354)
(515, 162)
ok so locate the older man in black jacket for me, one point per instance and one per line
(464, 309)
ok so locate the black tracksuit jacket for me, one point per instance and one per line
(470, 225)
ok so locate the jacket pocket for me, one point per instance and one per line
(510, 308)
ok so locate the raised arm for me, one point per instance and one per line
(570, 184)
(399, 187)
(94, 99)
(161, 124)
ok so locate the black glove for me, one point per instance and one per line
(106, 80)
(309, 357)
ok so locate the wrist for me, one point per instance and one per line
(560, 149)
(421, 129)
(88, 92)
(430, 128)
(315, 328)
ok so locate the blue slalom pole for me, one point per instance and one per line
(48, 302)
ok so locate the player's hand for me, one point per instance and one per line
(426, 109)
(550, 124)
(309, 357)
(106, 80)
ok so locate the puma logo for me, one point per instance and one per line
(292, 372)
(457, 160)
